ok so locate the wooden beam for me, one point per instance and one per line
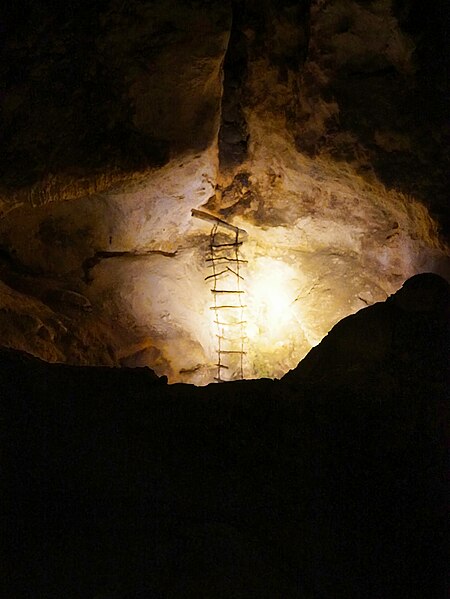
(215, 219)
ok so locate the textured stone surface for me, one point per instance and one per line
(96, 89)
(55, 328)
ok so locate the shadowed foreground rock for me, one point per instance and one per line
(326, 484)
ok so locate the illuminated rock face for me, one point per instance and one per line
(262, 128)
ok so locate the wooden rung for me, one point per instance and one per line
(230, 351)
(225, 245)
(225, 291)
(226, 307)
(221, 366)
(217, 258)
(216, 275)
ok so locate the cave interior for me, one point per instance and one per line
(224, 297)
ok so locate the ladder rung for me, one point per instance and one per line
(217, 258)
(217, 274)
(225, 245)
(225, 291)
(231, 351)
(224, 307)
(226, 271)
(225, 255)
(221, 366)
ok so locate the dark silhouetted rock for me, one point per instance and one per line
(329, 486)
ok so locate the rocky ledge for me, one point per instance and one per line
(328, 483)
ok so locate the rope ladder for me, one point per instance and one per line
(228, 296)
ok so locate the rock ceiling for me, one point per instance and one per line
(320, 128)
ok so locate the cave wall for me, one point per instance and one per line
(90, 90)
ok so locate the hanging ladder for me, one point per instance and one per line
(228, 295)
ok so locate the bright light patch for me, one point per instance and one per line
(274, 334)
(271, 291)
